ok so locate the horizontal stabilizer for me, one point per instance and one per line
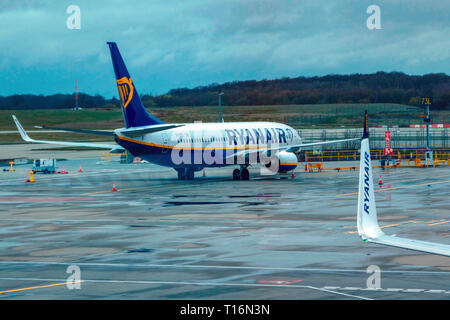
(132, 132)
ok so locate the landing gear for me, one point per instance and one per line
(181, 174)
(185, 174)
(242, 174)
(189, 174)
(245, 175)
(236, 174)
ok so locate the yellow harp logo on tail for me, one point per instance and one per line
(126, 89)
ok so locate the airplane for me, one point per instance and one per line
(191, 147)
(367, 222)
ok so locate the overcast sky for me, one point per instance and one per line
(171, 44)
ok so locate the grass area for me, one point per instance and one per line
(298, 116)
(86, 118)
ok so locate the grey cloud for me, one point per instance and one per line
(170, 43)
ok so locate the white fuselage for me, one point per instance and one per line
(199, 139)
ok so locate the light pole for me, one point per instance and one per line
(429, 153)
(220, 93)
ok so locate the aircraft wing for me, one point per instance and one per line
(298, 146)
(417, 245)
(97, 132)
(131, 132)
(289, 148)
(25, 137)
(367, 222)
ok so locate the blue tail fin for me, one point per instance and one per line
(134, 112)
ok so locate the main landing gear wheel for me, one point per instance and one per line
(185, 174)
(245, 175)
(242, 174)
(236, 174)
(181, 174)
(189, 174)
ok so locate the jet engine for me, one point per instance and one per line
(283, 162)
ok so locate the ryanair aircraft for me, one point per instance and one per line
(190, 147)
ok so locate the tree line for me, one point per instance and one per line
(380, 87)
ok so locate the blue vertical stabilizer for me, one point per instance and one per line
(134, 112)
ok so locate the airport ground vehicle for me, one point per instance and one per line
(44, 166)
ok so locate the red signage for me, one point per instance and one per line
(387, 138)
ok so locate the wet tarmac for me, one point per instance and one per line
(214, 238)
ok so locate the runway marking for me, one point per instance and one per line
(42, 199)
(403, 290)
(434, 224)
(395, 188)
(39, 287)
(129, 189)
(59, 177)
(280, 282)
(392, 225)
(185, 266)
(430, 223)
(330, 289)
(214, 284)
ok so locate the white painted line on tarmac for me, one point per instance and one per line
(186, 266)
(329, 289)
(212, 284)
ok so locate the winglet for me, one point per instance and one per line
(367, 222)
(367, 212)
(22, 131)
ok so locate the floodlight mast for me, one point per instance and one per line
(220, 93)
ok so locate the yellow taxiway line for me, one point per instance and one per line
(433, 224)
(39, 287)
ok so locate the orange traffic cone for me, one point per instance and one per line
(293, 175)
(204, 173)
(114, 187)
(31, 179)
(80, 170)
(380, 182)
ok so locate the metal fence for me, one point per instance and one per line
(401, 138)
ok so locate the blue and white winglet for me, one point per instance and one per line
(367, 221)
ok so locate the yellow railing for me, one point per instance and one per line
(106, 156)
(348, 155)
